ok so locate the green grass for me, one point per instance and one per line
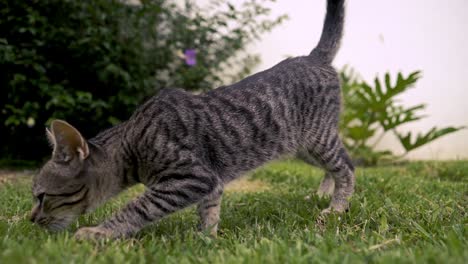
(408, 214)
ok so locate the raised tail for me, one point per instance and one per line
(332, 32)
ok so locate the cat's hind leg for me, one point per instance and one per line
(209, 211)
(339, 178)
(327, 186)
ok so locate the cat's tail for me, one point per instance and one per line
(332, 32)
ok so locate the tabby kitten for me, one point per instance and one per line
(186, 147)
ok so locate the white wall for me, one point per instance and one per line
(393, 35)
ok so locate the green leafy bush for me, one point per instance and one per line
(91, 62)
(372, 111)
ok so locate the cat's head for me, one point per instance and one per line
(64, 186)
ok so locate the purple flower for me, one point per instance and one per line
(190, 57)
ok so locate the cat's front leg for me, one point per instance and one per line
(172, 193)
(209, 211)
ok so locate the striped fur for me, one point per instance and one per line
(186, 147)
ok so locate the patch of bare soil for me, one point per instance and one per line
(13, 175)
(246, 185)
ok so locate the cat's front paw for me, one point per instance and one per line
(93, 233)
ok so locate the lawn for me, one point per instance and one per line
(414, 213)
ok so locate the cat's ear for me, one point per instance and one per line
(50, 138)
(67, 141)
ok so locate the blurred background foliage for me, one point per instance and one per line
(371, 111)
(91, 62)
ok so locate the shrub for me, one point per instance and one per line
(372, 111)
(91, 62)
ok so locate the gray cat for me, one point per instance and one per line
(186, 147)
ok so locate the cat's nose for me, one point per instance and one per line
(34, 213)
(32, 218)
